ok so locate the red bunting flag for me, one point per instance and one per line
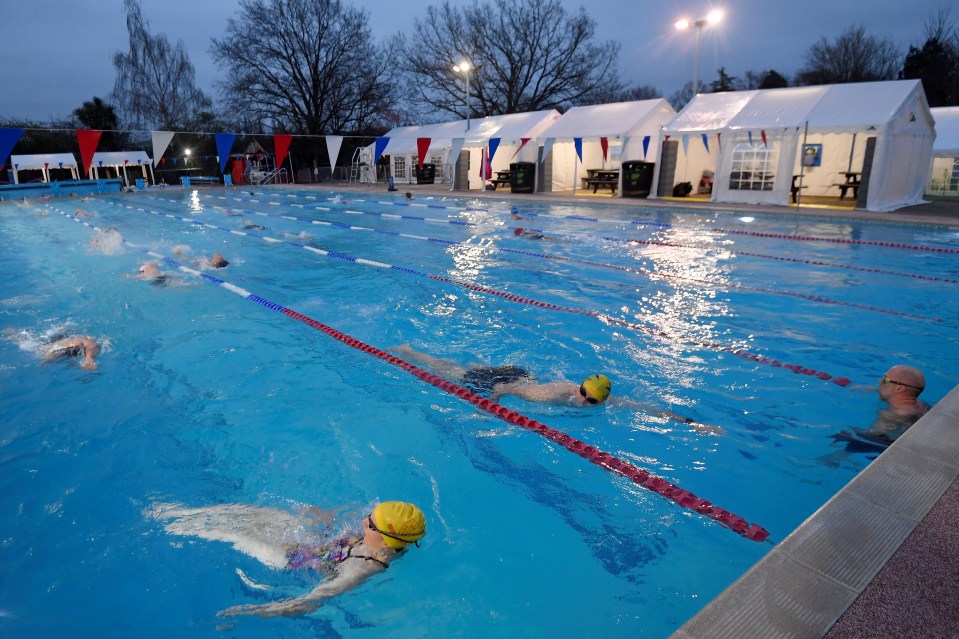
(162, 161)
(763, 134)
(281, 144)
(422, 148)
(604, 143)
(88, 140)
(46, 165)
(522, 143)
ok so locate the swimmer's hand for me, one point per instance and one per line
(286, 608)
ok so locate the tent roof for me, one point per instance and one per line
(834, 106)
(607, 120)
(53, 160)
(117, 158)
(507, 127)
(947, 130)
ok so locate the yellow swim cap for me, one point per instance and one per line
(399, 523)
(598, 386)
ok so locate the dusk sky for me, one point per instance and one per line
(55, 58)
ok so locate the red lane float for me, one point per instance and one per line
(837, 240)
(602, 459)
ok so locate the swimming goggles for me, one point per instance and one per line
(388, 534)
(589, 400)
(885, 380)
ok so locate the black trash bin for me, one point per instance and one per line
(637, 178)
(426, 175)
(522, 177)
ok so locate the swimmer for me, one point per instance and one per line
(108, 240)
(254, 227)
(899, 389)
(218, 261)
(409, 196)
(74, 346)
(515, 214)
(535, 235)
(81, 213)
(282, 540)
(151, 272)
(502, 381)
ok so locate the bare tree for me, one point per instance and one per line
(529, 55)
(155, 85)
(765, 79)
(854, 56)
(304, 66)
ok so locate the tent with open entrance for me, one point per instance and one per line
(945, 151)
(871, 141)
(43, 162)
(607, 133)
(447, 141)
(119, 161)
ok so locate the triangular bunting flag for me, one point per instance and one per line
(763, 133)
(706, 142)
(455, 149)
(224, 142)
(381, 143)
(604, 144)
(161, 140)
(646, 139)
(493, 145)
(522, 143)
(750, 134)
(281, 144)
(685, 140)
(333, 144)
(8, 137)
(548, 147)
(578, 143)
(88, 146)
(422, 148)
(719, 141)
(174, 162)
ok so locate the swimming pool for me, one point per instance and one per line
(203, 397)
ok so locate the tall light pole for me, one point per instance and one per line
(713, 18)
(464, 67)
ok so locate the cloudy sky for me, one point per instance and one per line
(55, 58)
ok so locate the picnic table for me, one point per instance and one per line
(503, 178)
(851, 180)
(601, 177)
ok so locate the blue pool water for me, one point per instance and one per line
(203, 397)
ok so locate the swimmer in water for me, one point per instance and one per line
(515, 214)
(409, 196)
(535, 235)
(254, 227)
(151, 272)
(270, 536)
(501, 381)
(106, 239)
(218, 261)
(74, 346)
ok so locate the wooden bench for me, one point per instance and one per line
(503, 178)
(843, 188)
(598, 182)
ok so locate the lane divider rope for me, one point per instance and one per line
(607, 319)
(628, 269)
(838, 240)
(639, 476)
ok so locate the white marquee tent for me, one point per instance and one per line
(119, 161)
(759, 143)
(447, 139)
(43, 163)
(945, 150)
(631, 131)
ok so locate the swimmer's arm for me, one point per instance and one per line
(532, 392)
(345, 581)
(703, 429)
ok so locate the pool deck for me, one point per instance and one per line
(879, 559)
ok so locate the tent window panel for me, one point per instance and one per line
(399, 166)
(437, 161)
(954, 180)
(753, 168)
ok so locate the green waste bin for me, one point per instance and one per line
(427, 174)
(522, 177)
(637, 178)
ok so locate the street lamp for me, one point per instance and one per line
(713, 18)
(464, 67)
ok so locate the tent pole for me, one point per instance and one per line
(802, 165)
(852, 151)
